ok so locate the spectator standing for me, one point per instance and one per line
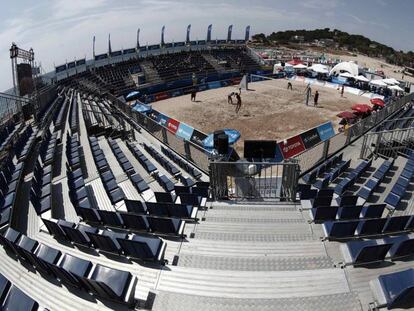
(315, 99)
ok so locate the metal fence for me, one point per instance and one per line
(320, 152)
(387, 143)
(254, 181)
(192, 152)
(10, 105)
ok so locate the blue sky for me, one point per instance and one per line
(60, 30)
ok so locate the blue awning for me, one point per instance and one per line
(234, 136)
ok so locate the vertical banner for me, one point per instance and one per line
(247, 35)
(187, 40)
(109, 45)
(209, 32)
(162, 35)
(93, 47)
(138, 38)
(229, 33)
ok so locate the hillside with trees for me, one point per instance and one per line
(344, 40)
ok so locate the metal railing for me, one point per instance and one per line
(10, 105)
(387, 143)
(320, 152)
(254, 180)
(190, 151)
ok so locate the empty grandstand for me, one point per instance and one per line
(104, 207)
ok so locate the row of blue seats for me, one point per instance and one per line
(41, 188)
(142, 159)
(399, 189)
(114, 192)
(76, 182)
(326, 213)
(137, 246)
(369, 251)
(369, 187)
(59, 119)
(352, 177)
(139, 183)
(163, 209)
(367, 227)
(181, 163)
(332, 175)
(134, 222)
(8, 132)
(322, 168)
(10, 179)
(25, 143)
(164, 181)
(395, 289)
(14, 299)
(74, 114)
(101, 281)
(48, 147)
(163, 161)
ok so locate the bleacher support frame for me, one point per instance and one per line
(387, 143)
(254, 180)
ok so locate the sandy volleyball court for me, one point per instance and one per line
(269, 110)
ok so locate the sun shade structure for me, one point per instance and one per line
(361, 108)
(380, 83)
(300, 66)
(396, 88)
(132, 95)
(319, 68)
(391, 81)
(347, 75)
(343, 67)
(377, 102)
(362, 78)
(346, 115)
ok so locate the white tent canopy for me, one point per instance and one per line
(300, 66)
(349, 67)
(390, 81)
(361, 78)
(347, 75)
(395, 88)
(319, 68)
(380, 83)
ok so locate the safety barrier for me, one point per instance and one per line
(320, 152)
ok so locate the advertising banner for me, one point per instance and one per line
(310, 138)
(292, 147)
(185, 131)
(325, 131)
(161, 96)
(214, 85)
(278, 155)
(60, 68)
(172, 125)
(162, 119)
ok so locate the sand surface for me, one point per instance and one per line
(269, 110)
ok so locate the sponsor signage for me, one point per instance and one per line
(201, 42)
(154, 47)
(162, 119)
(325, 131)
(292, 147)
(101, 56)
(129, 51)
(172, 125)
(80, 62)
(310, 138)
(116, 53)
(71, 65)
(214, 85)
(179, 43)
(185, 131)
(168, 45)
(278, 154)
(60, 68)
(161, 96)
(143, 49)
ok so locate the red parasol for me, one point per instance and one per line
(346, 115)
(363, 108)
(377, 102)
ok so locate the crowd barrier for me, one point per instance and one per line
(190, 151)
(320, 152)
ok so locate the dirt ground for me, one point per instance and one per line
(269, 110)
